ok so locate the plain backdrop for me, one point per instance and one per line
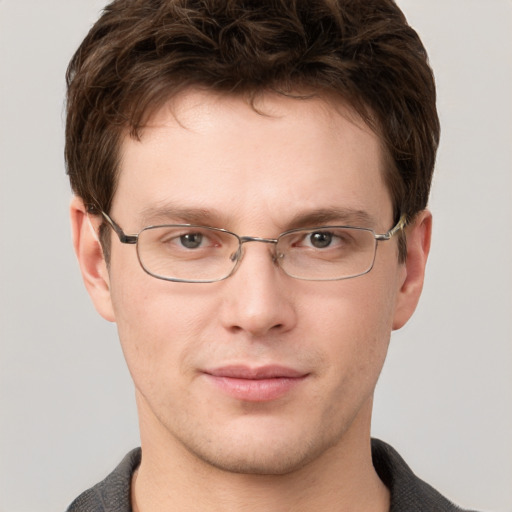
(67, 413)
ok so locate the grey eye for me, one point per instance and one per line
(320, 239)
(191, 240)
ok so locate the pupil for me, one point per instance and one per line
(320, 240)
(191, 240)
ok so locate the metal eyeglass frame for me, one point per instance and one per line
(133, 239)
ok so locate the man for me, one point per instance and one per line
(250, 187)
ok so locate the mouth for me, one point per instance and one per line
(262, 384)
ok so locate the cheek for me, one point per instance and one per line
(353, 325)
(159, 325)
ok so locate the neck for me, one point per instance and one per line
(342, 478)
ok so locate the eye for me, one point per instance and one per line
(191, 240)
(320, 239)
(325, 238)
(185, 239)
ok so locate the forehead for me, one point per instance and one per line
(279, 156)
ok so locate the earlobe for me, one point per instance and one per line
(418, 246)
(90, 258)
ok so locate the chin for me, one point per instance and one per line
(263, 451)
(275, 462)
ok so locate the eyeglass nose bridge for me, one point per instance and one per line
(237, 256)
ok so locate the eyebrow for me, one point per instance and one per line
(171, 213)
(181, 215)
(321, 216)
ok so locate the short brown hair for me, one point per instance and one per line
(142, 52)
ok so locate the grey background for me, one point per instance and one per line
(445, 397)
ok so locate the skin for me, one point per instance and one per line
(254, 175)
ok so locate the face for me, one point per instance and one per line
(259, 373)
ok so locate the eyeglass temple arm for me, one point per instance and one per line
(124, 239)
(402, 222)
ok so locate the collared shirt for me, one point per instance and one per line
(408, 492)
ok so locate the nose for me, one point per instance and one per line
(258, 298)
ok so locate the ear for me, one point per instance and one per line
(90, 258)
(418, 246)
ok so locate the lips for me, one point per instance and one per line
(259, 384)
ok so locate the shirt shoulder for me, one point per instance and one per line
(113, 493)
(408, 492)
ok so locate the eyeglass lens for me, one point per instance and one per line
(202, 254)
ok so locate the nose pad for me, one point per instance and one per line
(278, 257)
(237, 255)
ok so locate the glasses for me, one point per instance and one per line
(200, 254)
